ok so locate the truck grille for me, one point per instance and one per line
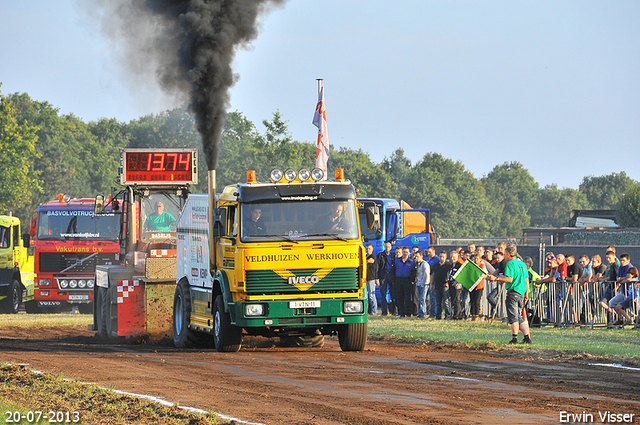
(73, 262)
(269, 282)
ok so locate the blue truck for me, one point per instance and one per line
(399, 224)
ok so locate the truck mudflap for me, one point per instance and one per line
(6, 277)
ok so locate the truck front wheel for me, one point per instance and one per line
(226, 336)
(353, 336)
(11, 304)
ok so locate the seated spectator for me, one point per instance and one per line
(500, 263)
(598, 269)
(573, 270)
(631, 282)
(611, 276)
(622, 286)
(587, 270)
(562, 266)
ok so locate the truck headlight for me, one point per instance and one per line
(44, 282)
(353, 307)
(276, 175)
(304, 174)
(73, 283)
(82, 283)
(290, 175)
(90, 283)
(64, 283)
(254, 310)
(317, 174)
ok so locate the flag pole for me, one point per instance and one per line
(320, 121)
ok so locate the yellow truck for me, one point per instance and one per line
(16, 266)
(278, 259)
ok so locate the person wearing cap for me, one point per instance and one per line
(160, 220)
(551, 276)
(516, 280)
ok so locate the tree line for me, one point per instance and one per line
(44, 153)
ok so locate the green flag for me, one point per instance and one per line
(469, 275)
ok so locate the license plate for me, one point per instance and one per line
(78, 297)
(304, 304)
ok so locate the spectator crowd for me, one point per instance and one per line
(582, 292)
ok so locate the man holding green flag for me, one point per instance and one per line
(516, 280)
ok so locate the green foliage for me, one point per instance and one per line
(81, 160)
(368, 177)
(554, 206)
(457, 200)
(606, 238)
(512, 192)
(604, 192)
(17, 154)
(628, 212)
(398, 167)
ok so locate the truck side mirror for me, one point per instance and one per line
(98, 207)
(373, 218)
(26, 240)
(32, 228)
(219, 225)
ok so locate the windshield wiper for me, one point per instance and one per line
(284, 238)
(333, 235)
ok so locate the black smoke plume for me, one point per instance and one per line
(190, 46)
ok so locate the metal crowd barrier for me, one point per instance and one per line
(574, 304)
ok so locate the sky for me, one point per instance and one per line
(554, 85)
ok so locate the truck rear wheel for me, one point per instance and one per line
(353, 336)
(226, 336)
(183, 336)
(11, 304)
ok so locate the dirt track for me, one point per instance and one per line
(389, 383)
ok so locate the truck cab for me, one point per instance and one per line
(16, 266)
(133, 298)
(399, 224)
(286, 261)
(69, 242)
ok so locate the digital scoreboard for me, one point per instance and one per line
(158, 166)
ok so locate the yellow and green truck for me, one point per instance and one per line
(16, 266)
(279, 259)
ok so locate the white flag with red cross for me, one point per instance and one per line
(320, 121)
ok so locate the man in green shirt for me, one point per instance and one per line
(516, 280)
(160, 220)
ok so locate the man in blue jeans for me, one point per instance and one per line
(385, 280)
(516, 280)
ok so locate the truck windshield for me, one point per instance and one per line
(301, 220)
(158, 215)
(77, 225)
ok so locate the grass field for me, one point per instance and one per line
(61, 400)
(598, 341)
(23, 320)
